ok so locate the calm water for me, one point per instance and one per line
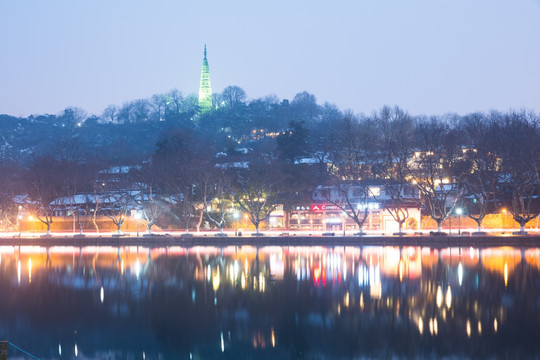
(270, 302)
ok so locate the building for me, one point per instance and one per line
(205, 89)
(328, 212)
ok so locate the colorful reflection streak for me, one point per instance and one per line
(270, 302)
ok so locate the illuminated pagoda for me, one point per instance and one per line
(205, 89)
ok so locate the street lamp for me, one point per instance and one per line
(459, 212)
(137, 218)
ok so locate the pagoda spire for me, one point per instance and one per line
(205, 89)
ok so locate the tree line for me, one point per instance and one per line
(250, 156)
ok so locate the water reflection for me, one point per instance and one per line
(270, 302)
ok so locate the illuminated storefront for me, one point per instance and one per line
(330, 217)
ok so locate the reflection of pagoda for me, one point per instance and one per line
(205, 89)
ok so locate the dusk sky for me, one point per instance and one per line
(428, 57)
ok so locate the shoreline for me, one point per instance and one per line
(157, 240)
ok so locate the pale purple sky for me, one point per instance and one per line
(426, 56)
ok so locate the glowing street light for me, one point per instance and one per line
(503, 221)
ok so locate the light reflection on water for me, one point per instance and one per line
(271, 302)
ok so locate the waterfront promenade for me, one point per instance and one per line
(272, 239)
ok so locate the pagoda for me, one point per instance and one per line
(205, 89)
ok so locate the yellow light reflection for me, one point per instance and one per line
(30, 270)
(137, 268)
(420, 325)
(255, 344)
(468, 328)
(243, 281)
(273, 337)
(505, 274)
(19, 272)
(495, 325)
(346, 299)
(376, 291)
(255, 283)
(361, 301)
(216, 279)
(435, 326)
(479, 328)
(232, 274)
(439, 297)
(262, 282)
(449, 297)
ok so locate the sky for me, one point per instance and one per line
(426, 56)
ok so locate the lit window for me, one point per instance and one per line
(375, 191)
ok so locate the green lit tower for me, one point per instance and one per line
(205, 90)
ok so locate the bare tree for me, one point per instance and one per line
(115, 193)
(10, 173)
(234, 97)
(433, 168)
(516, 139)
(183, 172)
(72, 116)
(110, 114)
(394, 150)
(125, 113)
(216, 200)
(479, 168)
(116, 205)
(158, 104)
(256, 190)
(94, 201)
(149, 194)
(304, 107)
(174, 102)
(141, 110)
(151, 204)
(350, 170)
(45, 183)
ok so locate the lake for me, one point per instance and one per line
(244, 302)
